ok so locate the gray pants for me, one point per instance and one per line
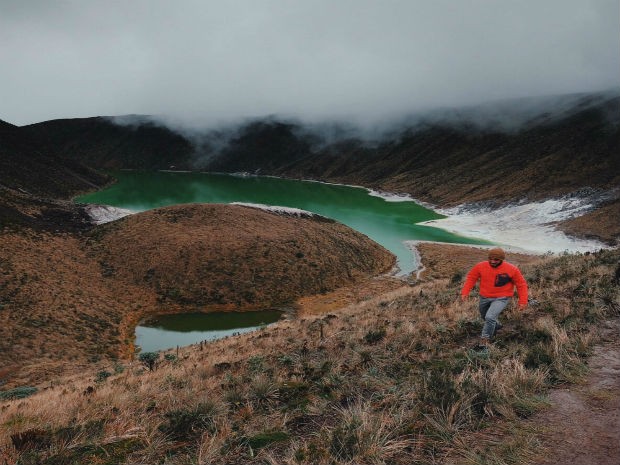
(490, 308)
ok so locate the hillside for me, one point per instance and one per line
(235, 256)
(388, 380)
(34, 181)
(566, 149)
(69, 300)
(439, 161)
(101, 143)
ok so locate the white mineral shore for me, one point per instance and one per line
(527, 227)
(105, 213)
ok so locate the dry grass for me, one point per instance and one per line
(69, 301)
(388, 380)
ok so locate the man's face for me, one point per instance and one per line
(495, 262)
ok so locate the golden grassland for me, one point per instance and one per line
(392, 379)
(70, 301)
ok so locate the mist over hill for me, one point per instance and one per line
(542, 146)
(493, 153)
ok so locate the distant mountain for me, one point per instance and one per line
(30, 164)
(33, 180)
(449, 164)
(100, 142)
(498, 153)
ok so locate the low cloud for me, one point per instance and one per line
(363, 61)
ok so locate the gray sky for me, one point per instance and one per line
(212, 61)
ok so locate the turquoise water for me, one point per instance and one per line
(168, 331)
(387, 223)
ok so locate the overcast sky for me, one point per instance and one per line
(211, 61)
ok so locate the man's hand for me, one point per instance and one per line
(464, 298)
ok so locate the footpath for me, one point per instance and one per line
(582, 426)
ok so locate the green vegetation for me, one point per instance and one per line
(18, 393)
(149, 359)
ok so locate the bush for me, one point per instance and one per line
(102, 376)
(171, 358)
(372, 337)
(345, 441)
(537, 356)
(256, 364)
(118, 368)
(18, 393)
(265, 438)
(149, 359)
(187, 424)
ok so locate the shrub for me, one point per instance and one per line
(118, 368)
(372, 337)
(189, 423)
(256, 364)
(18, 393)
(457, 277)
(293, 394)
(172, 358)
(538, 356)
(105, 454)
(265, 438)
(439, 388)
(102, 376)
(149, 359)
(344, 443)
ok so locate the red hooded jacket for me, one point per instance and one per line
(496, 282)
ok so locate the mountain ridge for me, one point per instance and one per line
(445, 161)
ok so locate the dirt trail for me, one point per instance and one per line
(582, 426)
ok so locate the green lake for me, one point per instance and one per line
(169, 331)
(388, 223)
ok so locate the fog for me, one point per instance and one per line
(506, 116)
(208, 64)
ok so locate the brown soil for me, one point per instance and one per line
(582, 425)
(446, 261)
(602, 224)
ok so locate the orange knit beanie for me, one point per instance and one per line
(497, 253)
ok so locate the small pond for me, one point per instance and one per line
(168, 331)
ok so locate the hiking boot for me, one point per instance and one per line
(498, 326)
(483, 345)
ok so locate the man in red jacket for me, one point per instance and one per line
(498, 280)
